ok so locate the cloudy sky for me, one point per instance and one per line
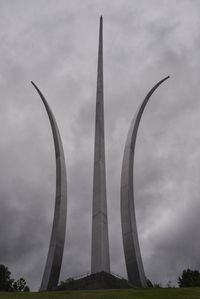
(54, 43)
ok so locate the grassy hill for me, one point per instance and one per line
(169, 293)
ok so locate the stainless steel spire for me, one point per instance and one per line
(132, 253)
(56, 246)
(100, 260)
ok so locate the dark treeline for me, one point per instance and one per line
(188, 278)
(8, 284)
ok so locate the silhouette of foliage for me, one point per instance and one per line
(189, 278)
(20, 285)
(7, 284)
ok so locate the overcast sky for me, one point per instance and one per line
(54, 43)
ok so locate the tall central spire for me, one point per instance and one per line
(100, 245)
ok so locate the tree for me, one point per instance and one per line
(20, 285)
(189, 278)
(6, 283)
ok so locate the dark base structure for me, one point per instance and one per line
(100, 280)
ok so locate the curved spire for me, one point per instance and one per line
(55, 254)
(132, 253)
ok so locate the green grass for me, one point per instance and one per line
(160, 293)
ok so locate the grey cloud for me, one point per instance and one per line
(55, 45)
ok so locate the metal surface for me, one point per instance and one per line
(132, 253)
(55, 254)
(100, 259)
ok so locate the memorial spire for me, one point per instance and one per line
(100, 260)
